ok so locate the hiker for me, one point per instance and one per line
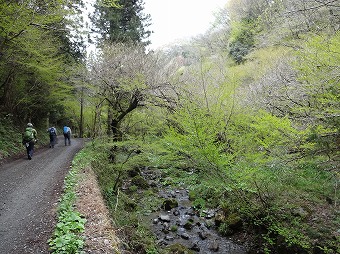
(67, 135)
(53, 136)
(29, 138)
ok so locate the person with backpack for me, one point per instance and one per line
(67, 135)
(29, 138)
(53, 136)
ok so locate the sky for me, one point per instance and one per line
(174, 20)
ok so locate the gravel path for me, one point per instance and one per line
(29, 192)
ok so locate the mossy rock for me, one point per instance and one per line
(220, 218)
(169, 204)
(234, 221)
(177, 249)
(228, 223)
(132, 189)
(174, 228)
(189, 224)
(140, 182)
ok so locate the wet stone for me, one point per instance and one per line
(191, 212)
(203, 235)
(195, 247)
(165, 218)
(165, 230)
(209, 223)
(209, 214)
(189, 224)
(181, 228)
(214, 246)
(176, 212)
(185, 236)
(169, 238)
(161, 242)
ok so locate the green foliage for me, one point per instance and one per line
(263, 170)
(121, 21)
(199, 204)
(317, 65)
(34, 66)
(137, 124)
(127, 207)
(255, 179)
(195, 138)
(66, 238)
(241, 40)
(109, 3)
(10, 137)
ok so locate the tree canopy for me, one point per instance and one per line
(124, 22)
(35, 55)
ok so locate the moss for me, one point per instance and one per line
(169, 204)
(173, 228)
(133, 188)
(177, 249)
(140, 182)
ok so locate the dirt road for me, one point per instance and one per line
(29, 192)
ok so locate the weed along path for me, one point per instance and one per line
(29, 192)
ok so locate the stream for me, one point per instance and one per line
(179, 224)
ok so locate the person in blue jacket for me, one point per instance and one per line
(67, 135)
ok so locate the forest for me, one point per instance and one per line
(246, 116)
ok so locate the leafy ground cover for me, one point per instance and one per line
(84, 225)
(66, 237)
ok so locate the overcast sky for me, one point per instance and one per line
(174, 20)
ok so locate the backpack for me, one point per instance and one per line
(28, 135)
(65, 130)
(52, 131)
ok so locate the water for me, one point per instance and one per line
(182, 225)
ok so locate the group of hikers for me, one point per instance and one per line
(29, 137)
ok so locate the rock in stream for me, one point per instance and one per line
(180, 225)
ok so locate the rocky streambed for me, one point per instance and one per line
(182, 229)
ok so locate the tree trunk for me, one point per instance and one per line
(7, 93)
(109, 121)
(117, 134)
